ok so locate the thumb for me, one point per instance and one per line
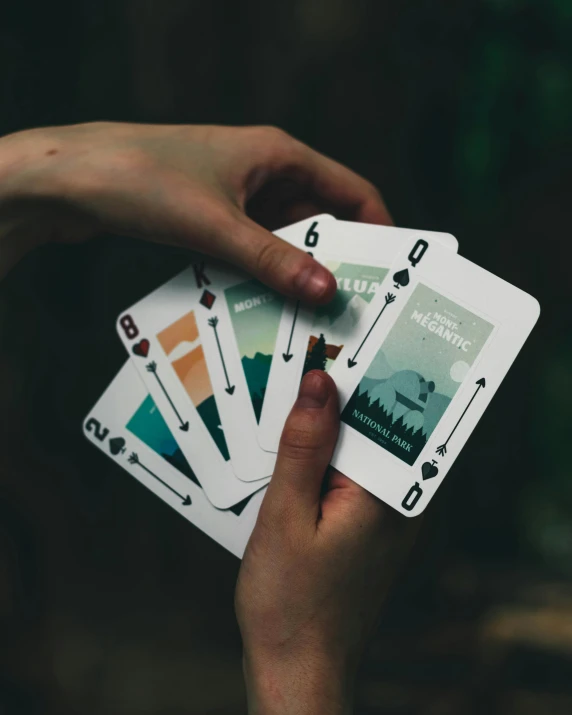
(306, 447)
(279, 265)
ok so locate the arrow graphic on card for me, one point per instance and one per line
(442, 449)
(134, 459)
(389, 298)
(213, 322)
(288, 355)
(152, 368)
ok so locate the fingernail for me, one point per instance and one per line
(314, 282)
(313, 391)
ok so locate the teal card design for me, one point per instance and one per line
(148, 425)
(334, 322)
(255, 313)
(424, 359)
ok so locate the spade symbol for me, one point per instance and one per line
(429, 470)
(116, 445)
(401, 278)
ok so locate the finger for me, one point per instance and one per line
(350, 510)
(341, 496)
(276, 263)
(340, 187)
(306, 446)
(329, 183)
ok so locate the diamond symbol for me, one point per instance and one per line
(207, 299)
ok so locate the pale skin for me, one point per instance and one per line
(324, 552)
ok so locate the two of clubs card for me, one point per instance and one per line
(417, 340)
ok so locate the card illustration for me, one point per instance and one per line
(181, 343)
(148, 425)
(255, 315)
(333, 323)
(421, 364)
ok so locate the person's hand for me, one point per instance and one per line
(204, 187)
(316, 570)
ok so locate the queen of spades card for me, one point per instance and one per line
(424, 359)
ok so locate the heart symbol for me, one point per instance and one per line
(116, 445)
(429, 470)
(141, 348)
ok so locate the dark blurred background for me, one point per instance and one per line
(460, 113)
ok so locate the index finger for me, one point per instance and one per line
(336, 184)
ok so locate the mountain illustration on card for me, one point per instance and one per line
(396, 409)
(256, 371)
(181, 343)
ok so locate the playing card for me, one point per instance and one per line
(359, 256)
(182, 337)
(430, 352)
(127, 426)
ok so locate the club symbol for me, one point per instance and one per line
(429, 470)
(117, 445)
(401, 278)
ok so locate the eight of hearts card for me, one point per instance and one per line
(359, 256)
(430, 352)
(127, 426)
(202, 343)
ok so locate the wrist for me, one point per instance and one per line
(23, 200)
(305, 683)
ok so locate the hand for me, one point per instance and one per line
(319, 563)
(191, 186)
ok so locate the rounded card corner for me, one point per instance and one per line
(414, 513)
(536, 309)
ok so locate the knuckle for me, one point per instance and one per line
(270, 258)
(372, 190)
(273, 140)
(275, 134)
(302, 435)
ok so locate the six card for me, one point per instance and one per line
(359, 256)
(416, 376)
(127, 426)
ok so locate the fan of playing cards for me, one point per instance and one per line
(417, 340)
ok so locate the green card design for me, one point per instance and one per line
(255, 315)
(421, 364)
(148, 425)
(127, 425)
(334, 322)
